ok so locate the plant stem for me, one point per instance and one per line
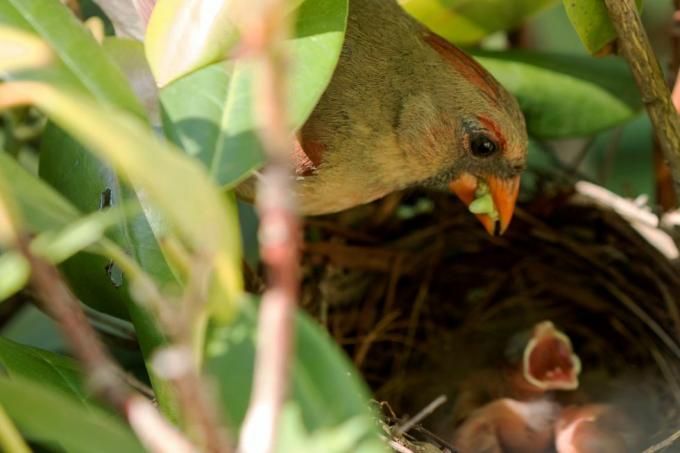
(635, 47)
(265, 28)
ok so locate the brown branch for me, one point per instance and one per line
(635, 47)
(266, 25)
(101, 372)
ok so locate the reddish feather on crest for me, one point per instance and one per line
(464, 64)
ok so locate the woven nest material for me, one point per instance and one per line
(426, 303)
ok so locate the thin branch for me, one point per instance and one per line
(635, 47)
(664, 443)
(102, 374)
(266, 24)
(420, 416)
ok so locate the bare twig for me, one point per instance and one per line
(635, 47)
(420, 416)
(102, 373)
(266, 25)
(664, 443)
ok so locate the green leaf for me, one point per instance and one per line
(184, 35)
(42, 208)
(83, 63)
(47, 415)
(21, 50)
(14, 273)
(349, 436)
(129, 55)
(58, 246)
(565, 95)
(323, 382)
(48, 368)
(467, 22)
(591, 21)
(209, 112)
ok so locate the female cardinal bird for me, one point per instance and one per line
(406, 108)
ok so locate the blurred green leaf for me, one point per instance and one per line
(564, 95)
(47, 415)
(591, 21)
(324, 384)
(129, 55)
(347, 437)
(184, 35)
(42, 208)
(14, 273)
(195, 210)
(21, 50)
(48, 368)
(83, 63)
(467, 22)
(59, 245)
(209, 112)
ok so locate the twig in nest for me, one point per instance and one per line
(637, 50)
(420, 416)
(664, 443)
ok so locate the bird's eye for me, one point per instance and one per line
(482, 146)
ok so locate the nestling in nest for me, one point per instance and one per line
(426, 303)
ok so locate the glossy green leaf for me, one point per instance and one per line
(467, 22)
(44, 209)
(83, 63)
(48, 368)
(50, 416)
(591, 21)
(565, 95)
(210, 114)
(184, 35)
(14, 273)
(194, 210)
(324, 384)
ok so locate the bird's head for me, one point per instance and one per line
(474, 133)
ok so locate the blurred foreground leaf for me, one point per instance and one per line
(47, 415)
(591, 21)
(209, 112)
(467, 22)
(48, 368)
(565, 95)
(350, 436)
(14, 273)
(194, 208)
(184, 35)
(324, 384)
(82, 64)
(21, 50)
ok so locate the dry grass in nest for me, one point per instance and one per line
(425, 302)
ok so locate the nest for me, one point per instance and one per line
(426, 303)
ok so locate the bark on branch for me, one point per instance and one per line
(635, 47)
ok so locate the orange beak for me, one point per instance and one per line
(503, 193)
